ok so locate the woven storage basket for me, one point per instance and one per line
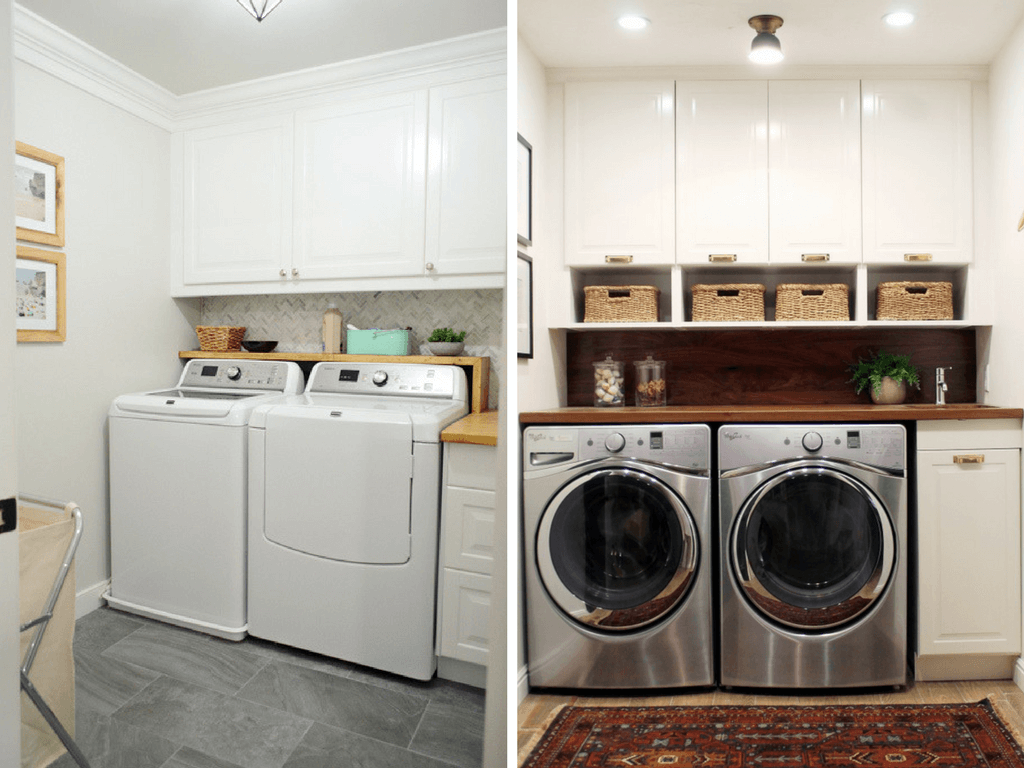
(620, 304)
(914, 301)
(805, 301)
(220, 338)
(729, 302)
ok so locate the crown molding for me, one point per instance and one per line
(780, 72)
(43, 45)
(47, 47)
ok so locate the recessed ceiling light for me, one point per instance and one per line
(633, 23)
(899, 18)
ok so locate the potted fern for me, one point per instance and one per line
(887, 376)
(445, 341)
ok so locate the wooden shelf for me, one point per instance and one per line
(477, 368)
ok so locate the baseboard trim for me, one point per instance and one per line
(522, 685)
(463, 672)
(1018, 672)
(89, 599)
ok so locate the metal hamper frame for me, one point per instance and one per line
(43, 620)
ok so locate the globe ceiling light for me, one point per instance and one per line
(766, 48)
(899, 18)
(633, 22)
(259, 9)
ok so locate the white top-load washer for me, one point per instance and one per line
(178, 482)
(344, 510)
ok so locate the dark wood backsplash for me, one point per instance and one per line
(758, 367)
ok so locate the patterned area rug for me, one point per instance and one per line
(892, 735)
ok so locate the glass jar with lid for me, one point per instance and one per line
(650, 382)
(609, 383)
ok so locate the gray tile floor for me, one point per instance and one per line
(150, 695)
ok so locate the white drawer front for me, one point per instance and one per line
(469, 530)
(471, 466)
(465, 613)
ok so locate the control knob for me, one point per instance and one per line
(615, 442)
(380, 378)
(812, 441)
(234, 373)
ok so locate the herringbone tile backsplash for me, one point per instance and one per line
(295, 321)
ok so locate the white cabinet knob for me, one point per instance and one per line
(295, 272)
(283, 273)
(430, 266)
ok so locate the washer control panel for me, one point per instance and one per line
(680, 445)
(878, 445)
(275, 375)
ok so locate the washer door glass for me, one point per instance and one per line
(813, 548)
(617, 549)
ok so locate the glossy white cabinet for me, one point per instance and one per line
(814, 171)
(619, 173)
(360, 174)
(722, 172)
(917, 171)
(969, 562)
(237, 201)
(466, 182)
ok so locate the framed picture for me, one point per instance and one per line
(524, 306)
(38, 195)
(40, 287)
(524, 206)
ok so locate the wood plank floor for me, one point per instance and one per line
(537, 710)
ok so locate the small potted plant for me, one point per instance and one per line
(446, 342)
(887, 375)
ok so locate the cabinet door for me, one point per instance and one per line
(469, 529)
(917, 171)
(969, 545)
(465, 615)
(237, 207)
(722, 172)
(466, 187)
(619, 179)
(360, 187)
(814, 157)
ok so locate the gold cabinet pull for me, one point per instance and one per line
(917, 257)
(618, 259)
(721, 258)
(969, 458)
(813, 257)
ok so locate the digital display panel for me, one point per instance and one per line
(209, 370)
(345, 375)
(657, 441)
(853, 439)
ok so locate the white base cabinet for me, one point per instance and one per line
(969, 549)
(467, 554)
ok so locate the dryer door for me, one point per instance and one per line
(617, 549)
(813, 548)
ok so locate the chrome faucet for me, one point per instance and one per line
(940, 385)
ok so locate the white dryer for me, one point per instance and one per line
(344, 494)
(178, 493)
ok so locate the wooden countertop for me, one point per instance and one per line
(476, 429)
(737, 414)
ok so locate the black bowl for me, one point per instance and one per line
(259, 346)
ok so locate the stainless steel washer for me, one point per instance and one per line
(813, 555)
(618, 556)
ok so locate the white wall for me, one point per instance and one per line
(1006, 92)
(123, 330)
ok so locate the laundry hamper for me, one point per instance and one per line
(48, 536)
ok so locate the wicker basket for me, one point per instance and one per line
(620, 304)
(729, 302)
(914, 301)
(804, 301)
(220, 338)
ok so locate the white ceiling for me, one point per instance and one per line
(192, 45)
(583, 33)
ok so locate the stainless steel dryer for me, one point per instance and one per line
(618, 554)
(813, 555)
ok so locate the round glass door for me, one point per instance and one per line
(813, 548)
(617, 549)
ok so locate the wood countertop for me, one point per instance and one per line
(737, 414)
(476, 429)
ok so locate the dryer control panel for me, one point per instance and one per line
(680, 445)
(877, 445)
(403, 379)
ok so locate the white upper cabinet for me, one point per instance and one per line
(360, 176)
(814, 171)
(619, 173)
(237, 201)
(917, 171)
(722, 171)
(466, 182)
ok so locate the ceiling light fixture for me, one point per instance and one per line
(259, 9)
(899, 19)
(766, 48)
(633, 23)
